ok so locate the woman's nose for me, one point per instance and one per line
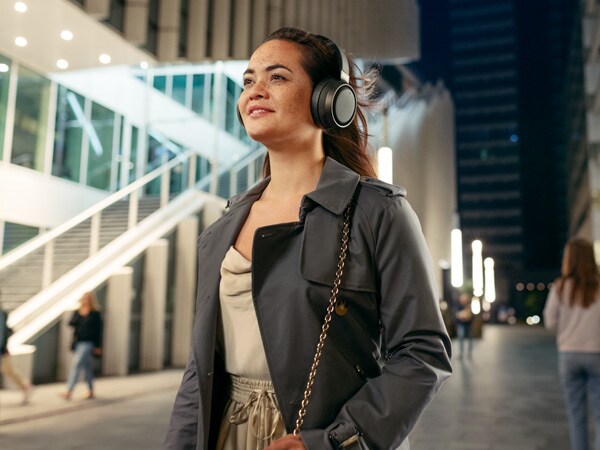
(257, 90)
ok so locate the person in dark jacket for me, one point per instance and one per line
(267, 267)
(87, 342)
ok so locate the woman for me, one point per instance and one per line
(266, 270)
(87, 342)
(573, 311)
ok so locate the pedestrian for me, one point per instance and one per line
(464, 320)
(573, 311)
(267, 318)
(6, 366)
(87, 343)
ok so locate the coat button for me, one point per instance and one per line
(341, 307)
(360, 371)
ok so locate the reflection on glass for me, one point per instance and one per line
(31, 119)
(160, 150)
(178, 92)
(160, 83)
(4, 79)
(16, 234)
(100, 147)
(68, 134)
(135, 132)
(230, 106)
(198, 90)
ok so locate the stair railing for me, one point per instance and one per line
(47, 240)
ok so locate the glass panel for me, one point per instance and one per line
(178, 93)
(202, 168)
(16, 234)
(152, 31)
(4, 79)
(68, 134)
(230, 106)
(183, 28)
(135, 132)
(198, 81)
(31, 119)
(116, 14)
(160, 83)
(100, 147)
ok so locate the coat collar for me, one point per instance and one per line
(335, 188)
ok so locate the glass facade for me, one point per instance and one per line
(100, 147)
(4, 81)
(68, 134)
(16, 234)
(31, 119)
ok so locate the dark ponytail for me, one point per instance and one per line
(348, 146)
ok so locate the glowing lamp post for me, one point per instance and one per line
(490, 284)
(384, 164)
(456, 268)
(477, 248)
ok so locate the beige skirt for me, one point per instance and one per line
(252, 420)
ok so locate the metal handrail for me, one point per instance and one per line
(44, 239)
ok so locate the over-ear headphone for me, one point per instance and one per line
(333, 101)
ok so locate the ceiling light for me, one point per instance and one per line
(144, 65)
(66, 35)
(62, 64)
(104, 58)
(20, 7)
(21, 41)
(4, 67)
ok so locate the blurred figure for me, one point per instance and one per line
(573, 311)
(464, 319)
(87, 342)
(5, 363)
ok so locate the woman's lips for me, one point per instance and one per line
(258, 111)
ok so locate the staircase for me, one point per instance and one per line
(23, 279)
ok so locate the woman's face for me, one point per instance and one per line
(275, 102)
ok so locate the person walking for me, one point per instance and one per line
(573, 311)
(87, 343)
(464, 320)
(6, 366)
(317, 321)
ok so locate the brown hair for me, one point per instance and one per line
(579, 267)
(348, 146)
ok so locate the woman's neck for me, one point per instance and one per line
(294, 173)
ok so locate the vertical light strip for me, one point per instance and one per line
(490, 284)
(456, 267)
(477, 248)
(384, 164)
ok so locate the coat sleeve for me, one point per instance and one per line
(415, 343)
(551, 310)
(183, 428)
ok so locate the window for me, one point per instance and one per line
(68, 134)
(100, 147)
(4, 80)
(31, 119)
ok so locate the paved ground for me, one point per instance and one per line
(506, 397)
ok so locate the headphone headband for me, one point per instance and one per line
(340, 55)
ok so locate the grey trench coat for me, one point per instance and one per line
(383, 360)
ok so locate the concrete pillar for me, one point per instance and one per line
(99, 9)
(64, 353)
(135, 26)
(197, 29)
(184, 290)
(168, 30)
(154, 302)
(117, 318)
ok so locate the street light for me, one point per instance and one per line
(477, 248)
(456, 268)
(384, 164)
(490, 285)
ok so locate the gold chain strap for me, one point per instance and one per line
(327, 321)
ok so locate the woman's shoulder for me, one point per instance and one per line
(376, 197)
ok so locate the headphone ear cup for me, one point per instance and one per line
(333, 104)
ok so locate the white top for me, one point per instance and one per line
(242, 342)
(577, 328)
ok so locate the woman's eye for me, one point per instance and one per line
(247, 81)
(276, 76)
